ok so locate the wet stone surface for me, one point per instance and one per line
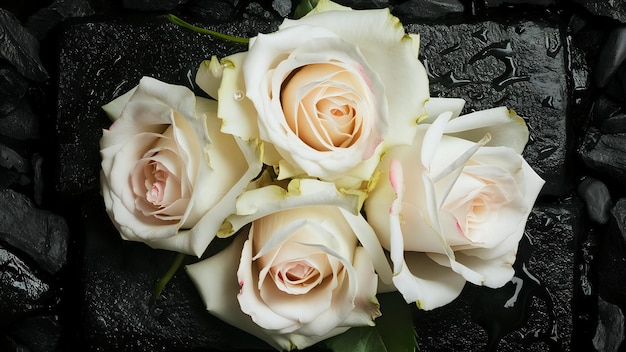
(119, 279)
(42, 235)
(520, 65)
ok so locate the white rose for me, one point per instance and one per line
(323, 93)
(302, 278)
(169, 177)
(453, 207)
(303, 272)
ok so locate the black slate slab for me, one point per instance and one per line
(103, 59)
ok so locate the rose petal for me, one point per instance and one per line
(505, 126)
(235, 109)
(209, 76)
(254, 204)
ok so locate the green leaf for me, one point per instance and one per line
(304, 7)
(394, 331)
(358, 339)
(395, 326)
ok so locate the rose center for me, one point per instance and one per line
(321, 103)
(155, 193)
(297, 277)
(300, 273)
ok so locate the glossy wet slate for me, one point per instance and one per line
(102, 60)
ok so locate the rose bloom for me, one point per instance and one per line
(453, 207)
(301, 278)
(322, 92)
(169, 177)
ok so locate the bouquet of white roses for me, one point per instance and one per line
(338, 175)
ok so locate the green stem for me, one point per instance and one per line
(179, 22)
(160, 285)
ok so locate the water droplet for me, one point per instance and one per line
(553, 46)
(503, 52)
(449, 81)
(450, 49)
(476, 95)
(238, 95)
(548, 102)
(431, 76)
(481, 35)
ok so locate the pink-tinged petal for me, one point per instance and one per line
(249, 298)
(397, 179)
(218, 285)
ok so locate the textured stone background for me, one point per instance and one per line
(67, 279)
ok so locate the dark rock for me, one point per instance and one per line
(41, 235)
(256, 10)
(596, 196)
(611, 263)
(38, 178)
(20, 48)
(283, 7)
(611, 9)
(38, 334)
(100, 61)
(363, 4)
(119, 278)
(605, 153)
(610, 332)
(520, 65)
(604, 108)
(614, 124)
(41, 22)
(9, 177)
(619, 213)
(206, 10)
(612, 55)
(11, 159)
(23, 292)
(152, 5)
(416, 9)
(533, 312)
(581, 98)
(21, 123)
(495, 3)
(8, 344)
(12, 84)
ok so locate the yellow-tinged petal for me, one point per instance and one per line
(327, 5)
(209, 76)
(256, 203)
(236, 111)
